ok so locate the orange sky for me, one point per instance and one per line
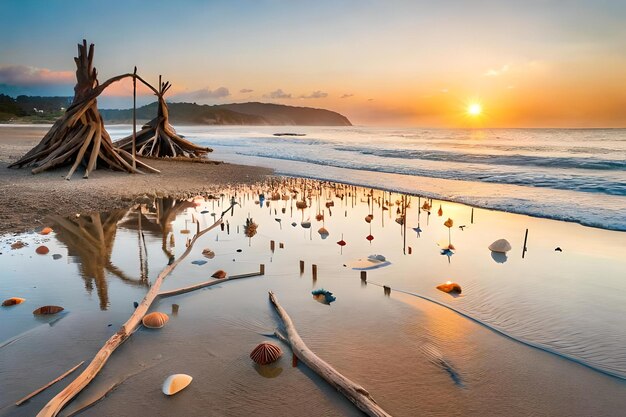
(537, 63)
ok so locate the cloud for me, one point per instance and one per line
(277, 94)
(202, 94)
(347, 95)
(245, 90)
(496, 72)
(316, 94)
(25, 76)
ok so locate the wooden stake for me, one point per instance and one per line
(314, 271)
(48, 385)
(301, 267)
(262, 269)
(364, 276)
(135, 119)
(272, 245)
(524, 249)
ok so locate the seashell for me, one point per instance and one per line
(45, 231)
(294, 224)
(448, 223)
(500, 246)
(275, 196)
(306, 225)
(47, 310)
(369, 237)
(319, 217)
(342, 243)
(330, 204)
(426, 206)
(450, 287)
(219, 274)
(369, 218)
(440, 211)
(155, 320)
(18, 245)
(301, 205)
(208, 253)
(323, 232)
(175, 383)
(42, 250)
(13, 301)
(266, 353)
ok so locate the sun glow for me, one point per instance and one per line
(474, 109)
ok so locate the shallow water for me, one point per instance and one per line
(414, 356)
(568, 174)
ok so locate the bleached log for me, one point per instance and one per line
(352, 391)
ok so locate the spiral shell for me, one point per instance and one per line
(155, 320)
(450, 287)
(47, 310)
(219, 274)
(266, 353)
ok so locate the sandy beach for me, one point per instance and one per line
(28, 199)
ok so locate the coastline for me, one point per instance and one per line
(29, 199)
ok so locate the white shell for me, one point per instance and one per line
(500, 246)
(175, 383)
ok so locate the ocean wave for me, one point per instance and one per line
(509, 160)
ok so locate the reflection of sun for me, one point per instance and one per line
(474, 109)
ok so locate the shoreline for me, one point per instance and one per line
(19, 215)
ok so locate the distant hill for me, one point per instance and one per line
(31, 109)
(234, 114)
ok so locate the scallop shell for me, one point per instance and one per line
(266, 353)
(155, 320)
(45, 231)
(219, 274)
(42, 250)
(47, 310)
(13, 301)
(500, 246)
(175, 383)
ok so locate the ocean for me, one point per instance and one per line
(576, 175)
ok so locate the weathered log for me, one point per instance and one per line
(352, 391)
(58, 402)
(48, 385)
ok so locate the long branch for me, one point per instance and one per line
(58, 402)
(352, 391)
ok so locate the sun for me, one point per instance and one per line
(474, 109)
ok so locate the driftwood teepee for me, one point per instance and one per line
(157, 138)
(79, 135)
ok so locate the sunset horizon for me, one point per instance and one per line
(529, 64)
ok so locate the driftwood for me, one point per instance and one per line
(352, 391)
(79, 136)
(205, 284)
(158, 138)
(48, 385)
(58, 402)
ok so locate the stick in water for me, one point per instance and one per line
(48, 385)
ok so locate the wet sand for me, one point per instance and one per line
(415, 357)
(27, 199)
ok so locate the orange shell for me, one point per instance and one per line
(452, 287)
(45, 231)
(155, 320)
(301, 204)
(266, 353)
(13, 301)
(220, 274)
(42, 250)
(448, 223)
(47, 310)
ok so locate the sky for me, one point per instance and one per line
(533, 63)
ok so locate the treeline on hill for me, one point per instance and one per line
(32, 108)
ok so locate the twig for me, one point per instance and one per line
(48, 385)
(205, 284)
